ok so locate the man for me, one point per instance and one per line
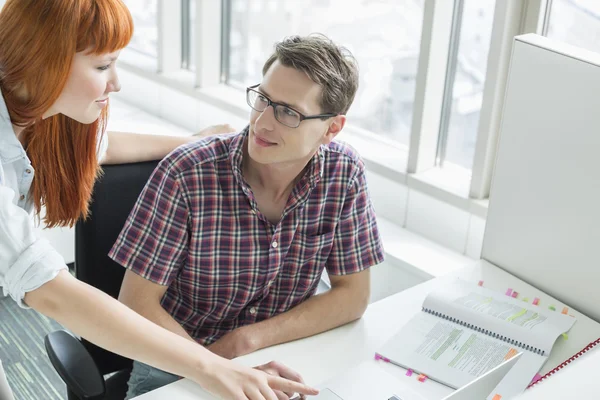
(228, 240)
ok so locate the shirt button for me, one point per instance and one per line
(28, 171)
(274, 244)
(253, 310)
(22, 197)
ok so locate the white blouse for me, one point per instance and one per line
(26, 261)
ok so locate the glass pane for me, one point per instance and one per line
(192, 40)
(145, 37)
(467, 93)
(384, 36)
(576, 22)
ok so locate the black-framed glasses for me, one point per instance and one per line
(283, 113)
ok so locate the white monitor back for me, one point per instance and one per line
(543, 222)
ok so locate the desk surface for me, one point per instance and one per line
(323, 356)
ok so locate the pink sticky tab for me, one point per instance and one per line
(509, 292)
(536, 301)
(409, 372)
(515, 294)
(536, 378)
(480, 283)
(422, 378)
(377, 357)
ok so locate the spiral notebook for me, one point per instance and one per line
(464, 330)
(568, 361)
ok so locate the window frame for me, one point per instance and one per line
(419, 170)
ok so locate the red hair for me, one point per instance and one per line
(38, 41)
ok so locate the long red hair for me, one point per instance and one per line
(38, 41)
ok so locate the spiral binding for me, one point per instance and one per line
(567, 362)
(487, 332)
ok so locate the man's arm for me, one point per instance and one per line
(345, 302)
(143, 297)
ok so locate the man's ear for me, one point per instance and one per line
(335, 126)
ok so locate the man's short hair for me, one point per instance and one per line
(331, 66)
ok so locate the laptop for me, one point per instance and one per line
(368, 381)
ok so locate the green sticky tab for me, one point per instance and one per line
(565, 336)
(526, 299)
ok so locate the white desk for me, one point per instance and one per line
(323, 356)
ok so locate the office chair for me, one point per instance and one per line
(90, 372)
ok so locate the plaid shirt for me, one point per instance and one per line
(197, 229)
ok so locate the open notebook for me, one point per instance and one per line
(465, 330)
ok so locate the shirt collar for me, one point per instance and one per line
(309, 180)
(10, 147)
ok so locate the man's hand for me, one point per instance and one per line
(215, 130)
(276, 369)
(234, 344)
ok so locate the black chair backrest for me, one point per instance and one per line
(115, 194)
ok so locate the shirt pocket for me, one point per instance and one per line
(308, 253)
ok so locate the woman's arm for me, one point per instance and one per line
(134, 147)
(109, 324)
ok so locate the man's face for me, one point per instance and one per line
(271, 142)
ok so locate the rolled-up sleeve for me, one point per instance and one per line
(357, 243)
(26, 262)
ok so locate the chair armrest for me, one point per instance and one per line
(75, 366)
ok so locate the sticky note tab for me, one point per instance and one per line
(526, 299)
(536, 301)
(565, 336)
(565, 310)
(552, 308)
(515, 294)
(512, 352)
(496, 397)
(409, 372)
(480, 283)
(422, 378)
(380, 357)
(508, 291)
(536, 378)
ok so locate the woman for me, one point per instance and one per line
(57, 69)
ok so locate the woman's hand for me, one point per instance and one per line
(232, 381)
(215, 130)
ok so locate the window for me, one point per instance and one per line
(145, 37)
(576, 22)
(188, 34)
(465, 79)
(384, 36)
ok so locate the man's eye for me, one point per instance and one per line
(289, 112)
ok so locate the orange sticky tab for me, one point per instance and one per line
(510, 354)
(565, 310)
(497, 397)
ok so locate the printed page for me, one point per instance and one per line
(523, 324)
(445, 351)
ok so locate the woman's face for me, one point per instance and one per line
(91, 79)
